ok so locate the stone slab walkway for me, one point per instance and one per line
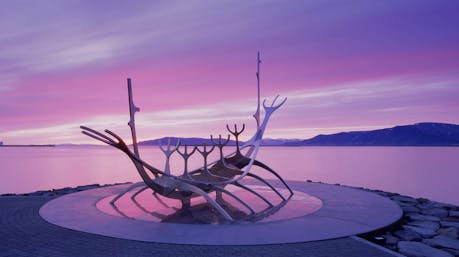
(24, 233)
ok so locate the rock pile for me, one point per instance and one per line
(428, 228)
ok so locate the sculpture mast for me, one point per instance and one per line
(132, 110)
(257, 113)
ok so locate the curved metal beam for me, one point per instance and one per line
(254, 192)
(266, 167)
(138, 192)
(252, 211)
(112, 202)
(266, 183)
(197, 190)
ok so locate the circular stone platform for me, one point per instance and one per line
(329, 212)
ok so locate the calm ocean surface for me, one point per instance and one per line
(430, 172)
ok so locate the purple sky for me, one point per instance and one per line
(344, 65)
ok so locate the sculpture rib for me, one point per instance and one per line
(254, 192)
(197, 190)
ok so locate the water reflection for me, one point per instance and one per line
(149, 207)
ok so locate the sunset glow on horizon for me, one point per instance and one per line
(344, 66)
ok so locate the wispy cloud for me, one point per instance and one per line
(390, 90)
(321, 107)
(5, 88)
(76, 55)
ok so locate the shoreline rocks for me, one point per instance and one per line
(417, 249)
(427, 228)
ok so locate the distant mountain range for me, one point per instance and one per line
(183, 141)
(419, 134)
(207, 141)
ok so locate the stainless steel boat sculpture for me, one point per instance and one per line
(229, 169)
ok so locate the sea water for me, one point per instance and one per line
(429, 172)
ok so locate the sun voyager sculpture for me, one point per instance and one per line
(214, 177)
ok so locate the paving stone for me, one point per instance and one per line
(410, 209)
(446, 205)
(415, 216)
(408, 235)
(424, 232)
(417, 249)
(449, 224)
(451, 219)
(406, 204)
(434, 204)
(443, 241)
(450, 231)
(452, 251)
(438, 212)
(425, 224)
(401, 198)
